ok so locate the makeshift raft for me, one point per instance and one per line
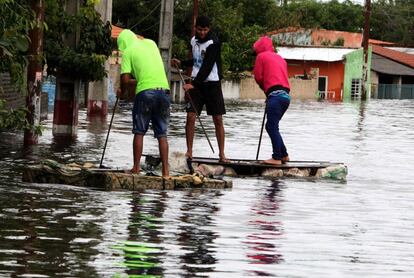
(49, 171)
(245, 167)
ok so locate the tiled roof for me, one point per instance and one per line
(116, 30)
(397, 56)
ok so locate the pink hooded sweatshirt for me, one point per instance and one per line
(270, 69)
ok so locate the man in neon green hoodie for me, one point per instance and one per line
(141, 60)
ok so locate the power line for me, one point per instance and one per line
(153, 10)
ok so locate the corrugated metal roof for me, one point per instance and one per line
(385, 65)
(407, 50)
(314, 53)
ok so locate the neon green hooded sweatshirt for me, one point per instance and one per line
(141, 58)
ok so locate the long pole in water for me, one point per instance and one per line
(109, 129)
(261, 133)
(196, 112)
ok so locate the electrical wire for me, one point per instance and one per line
(152, 11)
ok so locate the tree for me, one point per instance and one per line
(15, 21)
(85, 60)
(393, 21)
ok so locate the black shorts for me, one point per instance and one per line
(209, 94)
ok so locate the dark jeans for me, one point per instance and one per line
(151, 106)
(277, 104)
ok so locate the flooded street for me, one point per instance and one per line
(286, 227)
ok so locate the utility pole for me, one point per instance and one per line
(34, 72)
(195, 14)
(365, 44)
(165, 33)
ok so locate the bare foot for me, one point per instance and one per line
(134, 170)
(272, 161)
(223, 159)
(285, 159)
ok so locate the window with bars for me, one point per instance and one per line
(356, 88)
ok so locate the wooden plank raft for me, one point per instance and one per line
(245, 167)
(49, 171)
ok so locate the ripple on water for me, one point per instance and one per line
(286, 227)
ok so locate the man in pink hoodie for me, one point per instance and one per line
(270, 73)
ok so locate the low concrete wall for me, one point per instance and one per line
(243, 89)
(231, 90)
(250, 90)
(303, 89)
(14, 97)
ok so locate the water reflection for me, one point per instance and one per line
(46, 231)
(197, 234)
(147, 210)
(263, 246)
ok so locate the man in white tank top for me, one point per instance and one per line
(205, 86)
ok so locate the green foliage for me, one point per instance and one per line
(237, 56)
(339, 42)
(13, 119)
(15, 22)
(393, 21)
(79, 57)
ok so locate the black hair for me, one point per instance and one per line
(203, 21)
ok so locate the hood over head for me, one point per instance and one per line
(263, 44)
(125, 39)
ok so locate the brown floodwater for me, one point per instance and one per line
(285, 227)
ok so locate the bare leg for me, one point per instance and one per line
(137, 147)
(218, 123)
(189, 133)
(163, 147)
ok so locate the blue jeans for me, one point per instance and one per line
(277, 104)
(153, 106)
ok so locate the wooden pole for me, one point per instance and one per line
(109, 130)
(34, 72)
(196, 112)
(365, 44)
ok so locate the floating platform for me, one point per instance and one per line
(245, 168)
(49, 171)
